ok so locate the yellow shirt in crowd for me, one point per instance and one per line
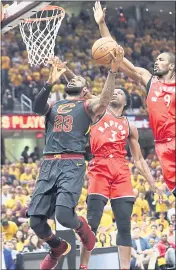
(5, 62)
(10, 231)
(160, 205)
(25, 177)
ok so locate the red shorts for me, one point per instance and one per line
(109, 177)
(166, 152)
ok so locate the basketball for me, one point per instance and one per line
(101, 50)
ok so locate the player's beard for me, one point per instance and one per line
(160, 73)
(73, 91)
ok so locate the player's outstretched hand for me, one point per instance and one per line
(57, 69)
(99, 13)
(117, 58)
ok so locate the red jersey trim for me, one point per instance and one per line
(101, 117)
(168, 84)
(118, 117)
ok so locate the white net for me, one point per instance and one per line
(39, 34)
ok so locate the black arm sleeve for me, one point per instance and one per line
(148, 85)
(40, 105)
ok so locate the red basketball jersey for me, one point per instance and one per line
(108, 136)
(161, 109)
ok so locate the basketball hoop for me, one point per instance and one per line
(39, 34)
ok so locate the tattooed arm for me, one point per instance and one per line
(97, 106)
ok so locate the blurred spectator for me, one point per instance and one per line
(8, 101)
(7, 260)
(24, 154)
(162, 247)
(136, 102)
(162, 221)
(153, 234)
(9, 228)
(36, 154)
(103, 240)
(34, 245)
(142, 248)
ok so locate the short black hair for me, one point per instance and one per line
(128, 98)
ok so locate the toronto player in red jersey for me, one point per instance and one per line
(161, 105)
(109, 174)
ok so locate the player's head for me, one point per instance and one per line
(164, 64)
(77, 86)
(121, 98)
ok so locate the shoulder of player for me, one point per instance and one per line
(91, 103)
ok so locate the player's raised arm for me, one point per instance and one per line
(97, 106)
(41, 106)
(139, 161)
(138, 74)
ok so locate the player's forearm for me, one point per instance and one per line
(144, 170)
(40, 105)
(69, 74)
(108, 90)
(104, 31)
(130, 70)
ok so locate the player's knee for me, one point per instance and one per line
(36, 223)
(124, 235)
(94, 221)
(65, 216)
(95, 210)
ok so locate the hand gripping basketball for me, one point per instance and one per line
(117, 58)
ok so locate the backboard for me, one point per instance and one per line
(19, 11)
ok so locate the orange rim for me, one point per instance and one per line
(49, 8)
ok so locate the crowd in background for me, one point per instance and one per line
(153, 218)
(142, 42)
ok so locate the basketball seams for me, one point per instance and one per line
(109, 41)
(102, 56)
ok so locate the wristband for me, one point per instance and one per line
(113, 72)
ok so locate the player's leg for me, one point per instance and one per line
(98, 194)
(122, 209)
(69, 187)
(42, 206)
(166, 153)
(122, 200)
(95, 207)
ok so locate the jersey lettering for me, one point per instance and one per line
(63, 123)
(114, 133)
(167, 100)
(109, 135)
(161, 109)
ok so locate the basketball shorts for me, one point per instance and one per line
(109, 177)
(166, 152)
(60, 182)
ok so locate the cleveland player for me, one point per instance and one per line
(161, 104)
(109, 174)
(61, 174)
